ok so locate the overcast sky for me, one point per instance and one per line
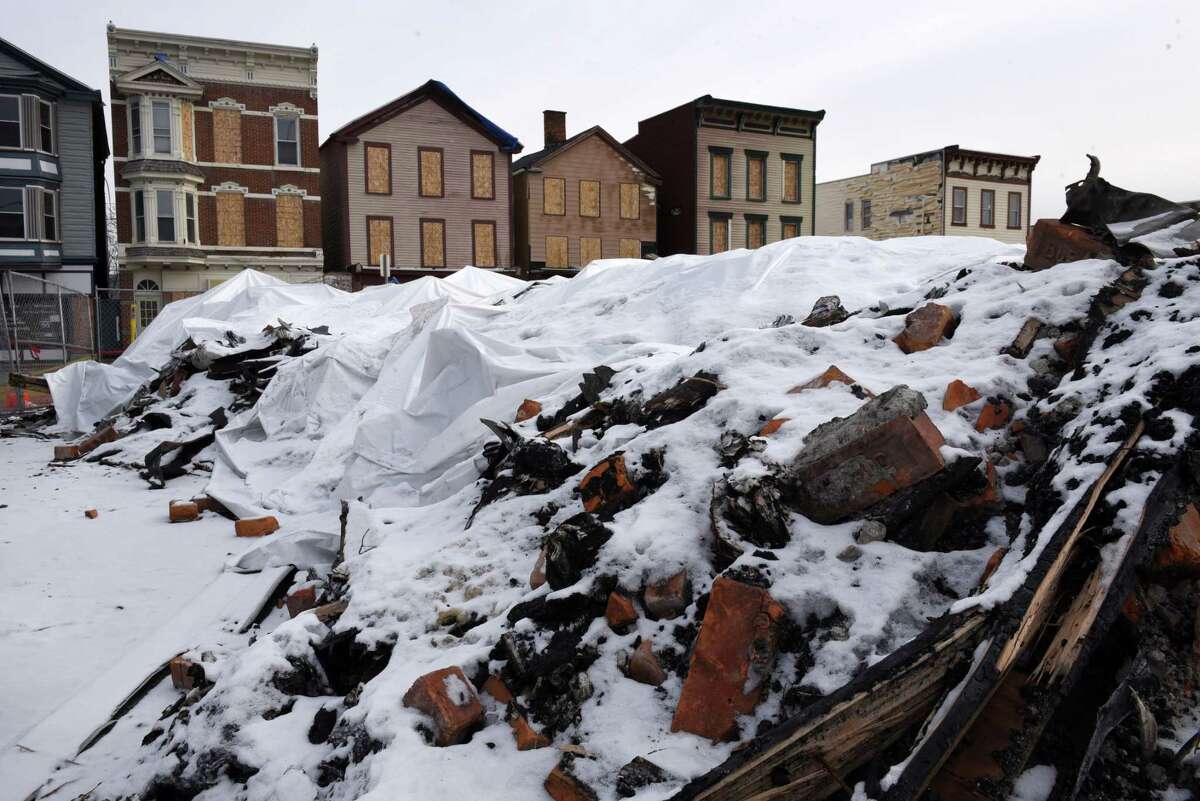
(1054, 78)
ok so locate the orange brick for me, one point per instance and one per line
(183, 511)
(528, 409)
(959, 394)
(607, 488)
(537, 576)
(301, 600)
(832, 375)
(527, 737)
(1181, 553)
(994, 414)
(644, 667)
(772, 426)
(561, 785)
(495, 687)
(185, 674)
(924, 328)
(446, 696)
(91, 514)
(620, 611)
(668, 598)
(256, 526)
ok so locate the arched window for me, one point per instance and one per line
(148, 298)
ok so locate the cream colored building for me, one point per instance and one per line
(949, 191)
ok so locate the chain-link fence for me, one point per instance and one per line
(43, 325)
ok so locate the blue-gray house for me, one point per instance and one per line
(53, 145)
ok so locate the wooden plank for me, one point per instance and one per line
(20, 380)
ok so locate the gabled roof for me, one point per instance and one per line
(159, 73)
(37, 66)
(440, 94)
(534, 159)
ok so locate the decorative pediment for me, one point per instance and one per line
(286, 109)
(158, 77)
(230, 186)
(227, 102)
(289, 189)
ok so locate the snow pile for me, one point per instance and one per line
(385, 413)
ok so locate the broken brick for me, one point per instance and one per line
(959, 394)
(851, 463)
(832, 375)
(537, 576)
(446, 696)
(1023, 342)
(1066, 346)
(91, 514)
(772, 426)
(924, 327)
(1180, 554)
(994, 414)
(1051, 242)
(668, 598)
(256, 526)
(563, 785)
(327, 613)
(607, 489)
(620, 611)
(74, 450)
(494, 686)
(185, 674)
(183, 511)
(527, 410)
(643, 666)
(732, 659)
(301, 600)
(989, 569)
(527, 737)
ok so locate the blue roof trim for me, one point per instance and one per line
(507, 141)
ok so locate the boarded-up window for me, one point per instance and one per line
(756, 175)
(433, 243)
(631, 202)
(756, 231)
(483, 175)
(186, 138)
(483, 242)
(791, 179)
(289, 221)
(556, 252)
(379, 239)
(554, 196)
(430, 168)
(231, 219)
(629, 249)
(589, 250)
(589, 198)
(718, 234)
(789, 228)
(718, 178)
(379, 169)
(227, 136)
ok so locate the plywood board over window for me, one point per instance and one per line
(790, 192)
(379, 239)
(789, 228)
(433, 243)
(756, 232)
(718, 234)
(227, 136)
(556, 252)
(554, 196)
(289, 221)
(430, 167)
(719, 172)
(756, 175)
(483, 242)
(483, 175)
(379, 168)
(629, 249)
(185, 131)
(589, 198)
(631, 202)
(589, 250)
(231, 219)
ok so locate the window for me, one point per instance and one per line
(987, 208)
(49, 215)
(1014, 209)
(190, 210)
(556, 252)
(790, 192)
(483, 175)
(589, 250)
(719, 172)
(139, 216)
(866, 214)
(433, 243)
(147, 301)
(631, 202)
(161, 112)
(164, 201)
(135, 127)
(287, 140)
(429, 167)
(483, 243)
(958, 207)
(629, 249)
(12, 213)
(46, 125)
(589, 198)
(756, 175)
(554, 196)
(756, 231)
(718, 232)
(848, 218)
(378, 168)
(789, 227)
(10, 121)
(379, 239)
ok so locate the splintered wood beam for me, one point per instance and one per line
(809, 755)
(19, 380)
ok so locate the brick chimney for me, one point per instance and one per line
(555, 125)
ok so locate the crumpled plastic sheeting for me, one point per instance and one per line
(301, 550)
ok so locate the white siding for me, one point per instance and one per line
(1001, 231)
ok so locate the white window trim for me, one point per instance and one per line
(53, 127)
(57, 217)
(135, 153)
(288, 114)
(24, 219)
(171, 129)
(20, 124)
(178, 213)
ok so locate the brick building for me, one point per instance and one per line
(215, 160)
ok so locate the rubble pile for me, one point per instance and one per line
(938, 540)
